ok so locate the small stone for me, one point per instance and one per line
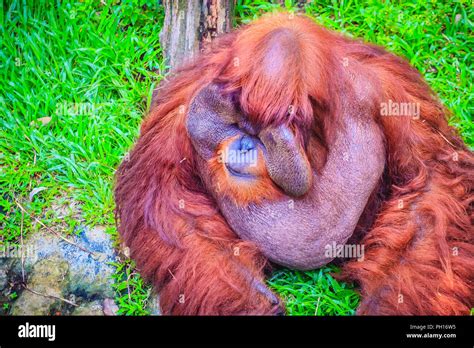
(110, 307)
(3, 279)
(89, 308)
(153, 305)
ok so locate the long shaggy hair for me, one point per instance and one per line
(417, 228)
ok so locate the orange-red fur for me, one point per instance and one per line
(418, 235)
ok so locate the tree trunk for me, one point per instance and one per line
(190, 25)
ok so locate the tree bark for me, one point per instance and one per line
(190, 25)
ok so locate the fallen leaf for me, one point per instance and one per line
(126, 252)
(43, 120)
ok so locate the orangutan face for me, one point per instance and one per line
(268, 190)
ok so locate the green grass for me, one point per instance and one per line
(90, 68)
(132, 294)
(76, 80)
(315, 292)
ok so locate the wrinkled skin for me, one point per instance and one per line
(315, 209)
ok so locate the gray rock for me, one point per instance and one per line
(10, 256)
(3, 279)
(110, 307)
(153, 305)
(92, 274)
(49, 278)
(5, 262)
(89, 308)
(90, 271)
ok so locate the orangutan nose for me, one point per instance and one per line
(246, 143)
(242, 155)
(286, 161)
